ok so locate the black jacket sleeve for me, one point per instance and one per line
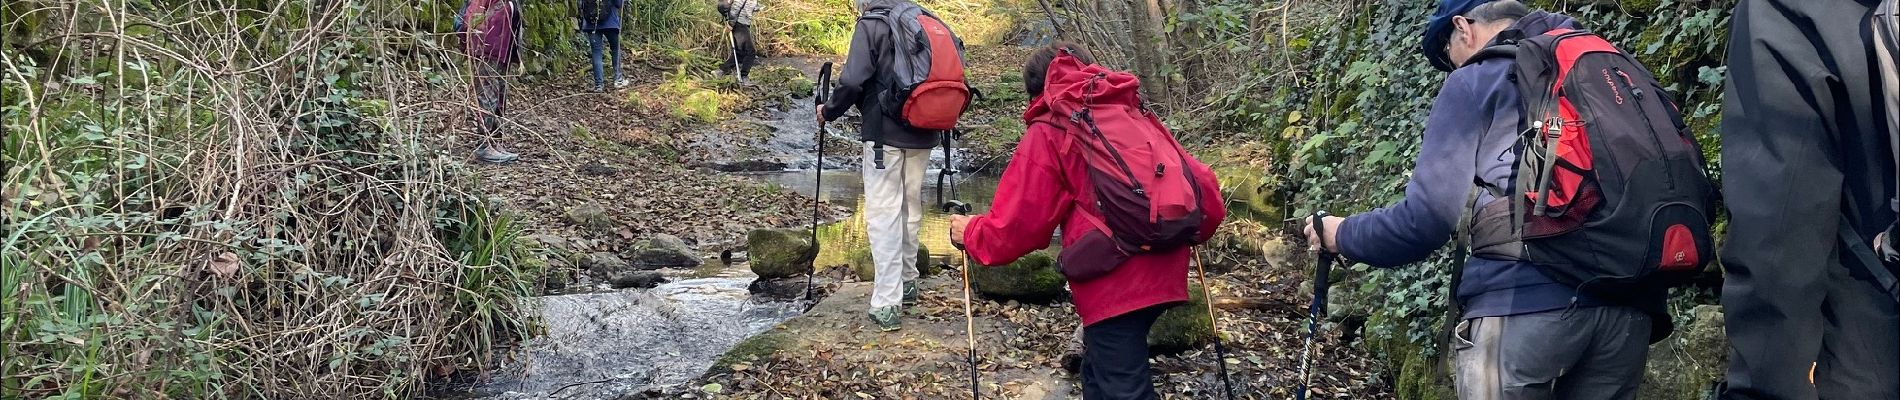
(860, 67)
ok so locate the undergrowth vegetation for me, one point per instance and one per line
(192, 212)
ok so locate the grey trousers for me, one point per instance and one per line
(1585, 353)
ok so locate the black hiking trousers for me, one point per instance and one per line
(1115, 359)
(745, 54)
(1807, 184)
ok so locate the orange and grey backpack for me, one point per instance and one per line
(1610, 188)
(927, 89)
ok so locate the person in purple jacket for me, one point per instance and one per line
(1521, 334)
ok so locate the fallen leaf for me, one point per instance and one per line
(225, 265)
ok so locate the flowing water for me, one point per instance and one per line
(611, 344)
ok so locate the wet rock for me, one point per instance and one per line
(638, 279)
(1031, 279)
(866, 271)
(786, 289)
(590, 216)
(603, 264)
(750, 166)
(661, 251)
(1183, 327)
(1683, 365)
(779, 253)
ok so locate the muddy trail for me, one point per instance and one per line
(614, 185)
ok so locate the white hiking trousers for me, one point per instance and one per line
(893, 211)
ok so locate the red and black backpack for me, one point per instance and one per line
(1141, 181)
(927, 89)
(1610, 188)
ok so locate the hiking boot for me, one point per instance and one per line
(494, 154)
(598, 88)
(910, 293)
(621, 83)
(886, 317)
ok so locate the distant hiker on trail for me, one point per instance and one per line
(910, 98)
(744, 54)
(1809, 182)
(1060, 170)
(1550, 307)
(600, 21)
(491, 32)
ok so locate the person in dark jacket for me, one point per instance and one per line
(1522, 335)
(745, 52)
(604, 33)
(1038, 194)
(1808, 182)
(895, 157)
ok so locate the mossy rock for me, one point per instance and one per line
(1684, 365)
(1031, 279)
(780, 253)
(750, 350)
(590, 216)
(1182, 328)
(862, 266)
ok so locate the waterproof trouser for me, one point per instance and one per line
(1115, 356)
(610, 40)
(744, 48)
(1807, 178)
(1576, 354)
(893, 211)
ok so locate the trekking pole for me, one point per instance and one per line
(1220, 352)
(954, 206)
(823, 90)
(1317, 310)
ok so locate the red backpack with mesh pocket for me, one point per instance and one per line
(1140, 178)
(927, 89)
(1611, 192)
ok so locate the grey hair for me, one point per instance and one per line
(1501, 10)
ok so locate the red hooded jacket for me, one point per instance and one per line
(1045, 187)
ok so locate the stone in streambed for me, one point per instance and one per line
(661, 251)
(866, 270)
(780, 253)
(638, 279)
(1183, 327)
(1031, 279)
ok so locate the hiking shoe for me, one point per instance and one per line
(910, 293)
(599, 88)
(493, 154)
(621, 83)
(886, 317)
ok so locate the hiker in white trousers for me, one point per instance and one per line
(893, 212)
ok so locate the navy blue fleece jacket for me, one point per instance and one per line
(1470, 132)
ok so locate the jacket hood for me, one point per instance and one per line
(1070, 84)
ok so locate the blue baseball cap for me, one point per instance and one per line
(1438, 31)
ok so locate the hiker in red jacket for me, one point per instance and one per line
(1047, 185)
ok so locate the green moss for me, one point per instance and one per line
(779, 253)
(1183, 327)
(1032, 279)
(752, 349)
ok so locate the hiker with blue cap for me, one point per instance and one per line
(1521, 329)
